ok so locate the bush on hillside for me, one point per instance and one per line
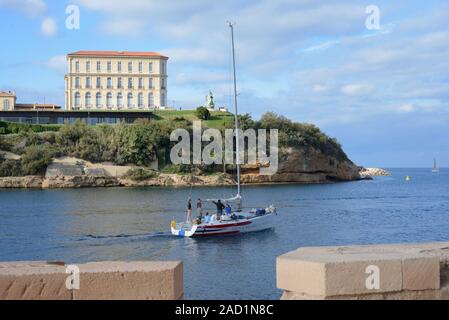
(202, 113)
(36, 158)
(10, 168)
(140, 174)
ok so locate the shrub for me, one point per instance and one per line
(10, 168)
(140, 174)
(36, 158)
(202, 113)
(178, 168)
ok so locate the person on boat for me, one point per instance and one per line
(189, 210)
(199, 208)
(228, 209)
(220, 207)
(207, 218)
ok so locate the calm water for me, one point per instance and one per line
(132, 224)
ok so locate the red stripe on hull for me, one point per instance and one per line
(244, 223)
(215, 234)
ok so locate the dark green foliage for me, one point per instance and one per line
(140, 174)
(142, 142)
(10, 168)
(36, 158)
(202, 113)
(178, 168)
(246, 122)
(294, 134)
(12, 127)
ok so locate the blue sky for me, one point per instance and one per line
(384, 94)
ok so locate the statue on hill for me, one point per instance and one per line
(210, 104)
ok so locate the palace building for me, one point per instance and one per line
(115, 80)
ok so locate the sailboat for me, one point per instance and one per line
(435, 168)
(239, 221)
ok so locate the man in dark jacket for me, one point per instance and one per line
(220, 207)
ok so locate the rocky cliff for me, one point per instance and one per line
(306, 165)
(297, 165)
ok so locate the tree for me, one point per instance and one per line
(202, 113)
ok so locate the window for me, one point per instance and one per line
(87, 66)
(109, 66)
(88, 84)
(119, 100)
(151, 67)
(162, 83)
(140, 67)
(88, 99)
(98, 100)
(150, 100)
(119, 66)
(77, 100)
(150, 84)
(109, 100)
(109, 83)
(163, 100)
(130, 67)
(130, 83)
(77, 82)
(77, 66)
(98, 83)
(119, 83)
(130, 100)
(162, 67)
(140, 83)
(140, 100)
(6, 105)
(98, 66)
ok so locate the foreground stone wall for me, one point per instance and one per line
(97, 280)
(391, 271)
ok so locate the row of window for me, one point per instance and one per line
(88, 83)
(119, 100)
(119, 67)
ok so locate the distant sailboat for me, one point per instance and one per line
(435, 168)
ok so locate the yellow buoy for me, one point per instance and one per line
(407, 178)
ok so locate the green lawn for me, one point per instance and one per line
(218, 118)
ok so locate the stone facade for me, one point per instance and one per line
(7, 100)
(115, 80)
(392, 271)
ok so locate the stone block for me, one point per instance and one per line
(421, 273)
(130, 280)
(33, 281)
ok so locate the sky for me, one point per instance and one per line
(382, 92)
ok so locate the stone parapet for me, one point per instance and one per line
(146, 280)
(391, 271)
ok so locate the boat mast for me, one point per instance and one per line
(237, 146)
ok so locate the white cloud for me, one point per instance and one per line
(355, 89)
(31, 8)
(49, 28)
(407, 108)
(204, 76)
(57, 63)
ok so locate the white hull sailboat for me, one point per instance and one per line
(435, 168)
(239, 221)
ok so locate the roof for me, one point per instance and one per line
(116, 54)
(7, 93)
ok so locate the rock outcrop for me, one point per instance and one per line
(21, 182)
(306, 165)
(373, 172)
(298, 165)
